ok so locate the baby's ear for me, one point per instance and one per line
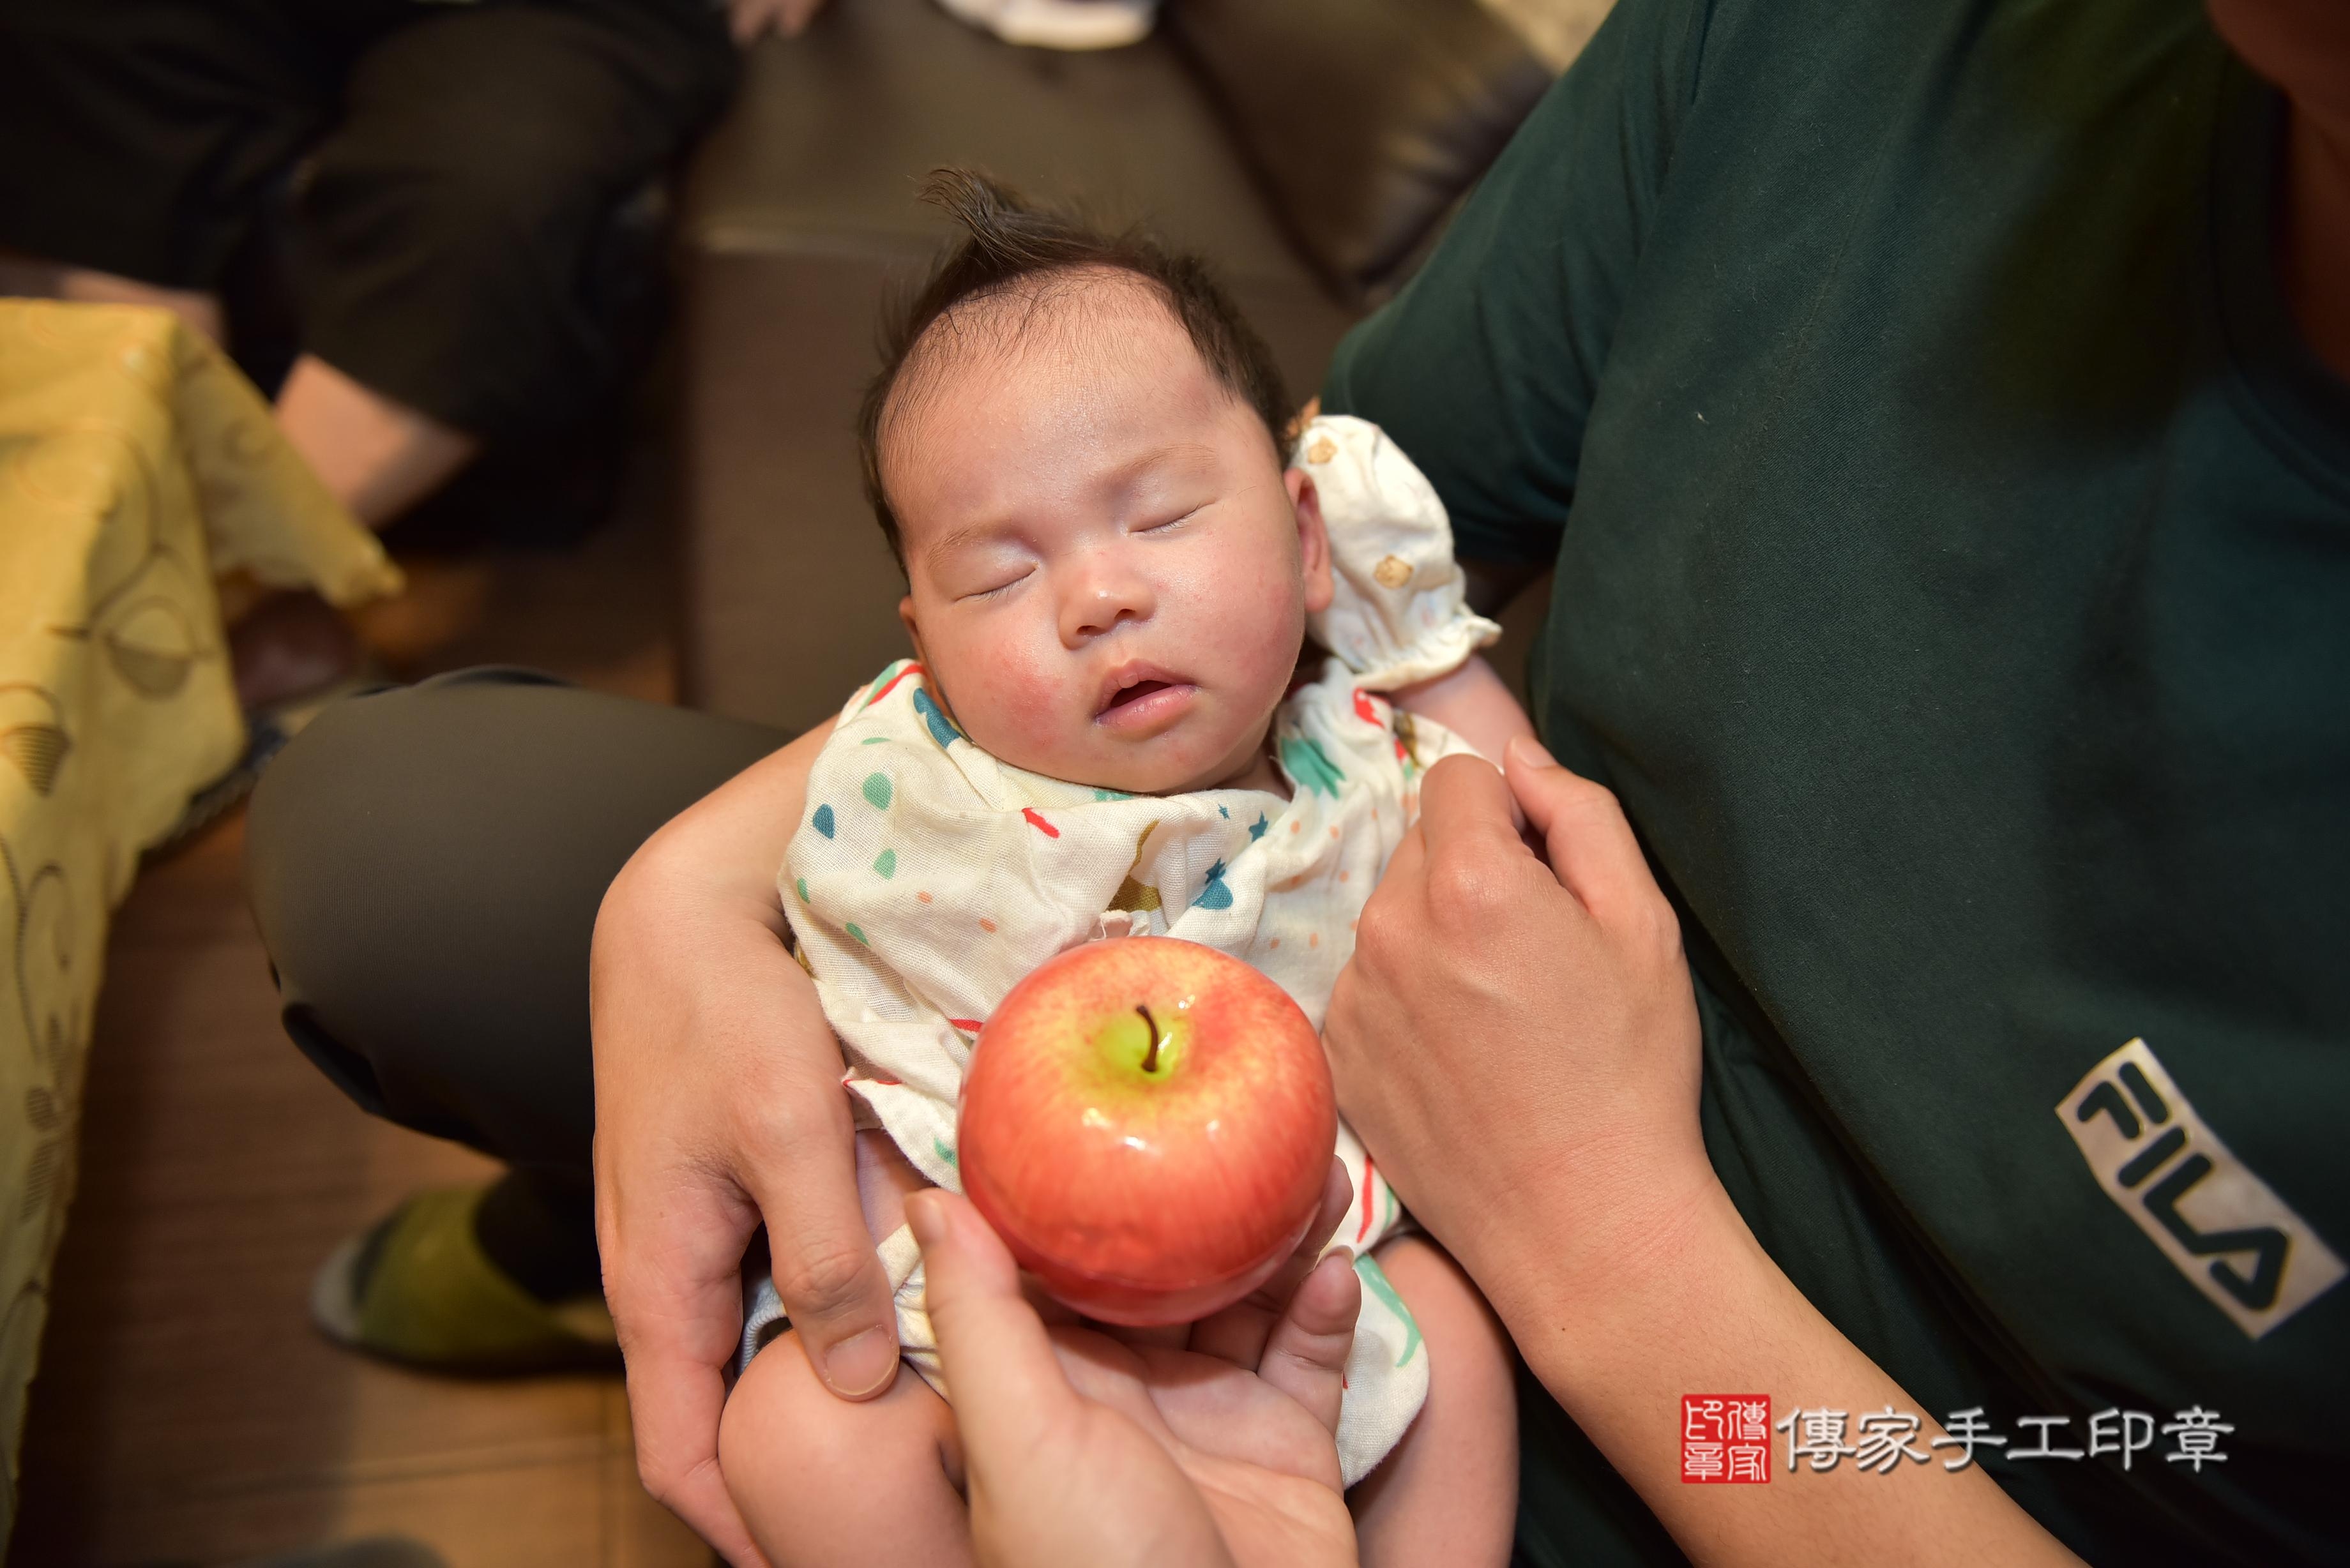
(1313, 540)
(913, 628)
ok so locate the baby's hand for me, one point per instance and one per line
(885, 1180)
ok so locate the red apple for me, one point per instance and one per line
(1148, 1124)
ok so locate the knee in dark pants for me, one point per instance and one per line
(425, 864)
(341, 842)
(355, 1076)
(344, 1068)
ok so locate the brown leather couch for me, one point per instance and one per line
(1312, 147)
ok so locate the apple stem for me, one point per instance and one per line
(1150, 1062)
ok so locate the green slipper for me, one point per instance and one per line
(418, 1288)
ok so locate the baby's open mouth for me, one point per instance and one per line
(1135, 692)
(1140, 699)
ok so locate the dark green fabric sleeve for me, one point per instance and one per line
(1484, 367)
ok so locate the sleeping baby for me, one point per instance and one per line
(1114, 727)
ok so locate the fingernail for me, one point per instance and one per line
(926, 1217)
(861, 1363)
(1530, 752)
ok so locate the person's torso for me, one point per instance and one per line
(1957, 591)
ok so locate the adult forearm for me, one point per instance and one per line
(1704, 1310)
(688, 953)
(719, 857)
(718, 1106)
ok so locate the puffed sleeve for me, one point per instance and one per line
(1400, 614)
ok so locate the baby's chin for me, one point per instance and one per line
(1166, 764)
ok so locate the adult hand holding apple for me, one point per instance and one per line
(1083, 1448)
(1147, 1123)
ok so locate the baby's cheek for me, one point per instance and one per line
(1262, 618)
(1018, 711)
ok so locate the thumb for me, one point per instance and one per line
(1008, 1385)
(1305, 1354)
(826, 1269)
(1590, 845)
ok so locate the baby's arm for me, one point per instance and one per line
(1473, 704)
(1449, 1491)
(1472, 701)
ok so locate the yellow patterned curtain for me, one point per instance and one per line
(138, 470)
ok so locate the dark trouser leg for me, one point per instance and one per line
(425, 864)
(142, 135)
(451, 220)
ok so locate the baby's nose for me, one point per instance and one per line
(1101, 600)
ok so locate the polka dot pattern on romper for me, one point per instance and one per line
(935, 720)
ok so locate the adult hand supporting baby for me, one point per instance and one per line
(1082, 1449)
(1477, 965)
(718, 1106)
(1516, 1041)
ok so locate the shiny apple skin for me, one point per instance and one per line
(1142, 1193)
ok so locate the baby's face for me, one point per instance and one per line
(1110, 569)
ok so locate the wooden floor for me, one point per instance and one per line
(185, 1412)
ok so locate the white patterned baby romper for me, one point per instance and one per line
(928, 878)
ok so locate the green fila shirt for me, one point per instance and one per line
(1953, 578)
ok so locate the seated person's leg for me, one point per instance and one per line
(1449, 1493)
(425, 864)
(376, 455)
(142, 138)
(165, 128)
(451, 224)
(822, 1481)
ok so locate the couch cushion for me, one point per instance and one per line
(1365, 120)
(831, 134)
(799, 220)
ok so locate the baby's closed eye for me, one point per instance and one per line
(998, 588)
(1167, 523)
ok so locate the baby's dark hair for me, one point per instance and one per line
(1010, 246)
